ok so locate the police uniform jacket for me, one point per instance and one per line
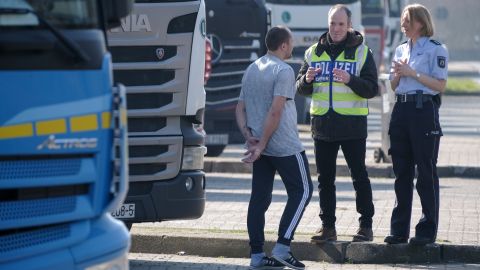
(333, 126)
(429, 57)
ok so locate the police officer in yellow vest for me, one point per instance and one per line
(339, 74)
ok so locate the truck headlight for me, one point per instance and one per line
(119, 263)
(193, 158)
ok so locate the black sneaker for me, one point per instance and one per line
(267, 263)
(291, 262)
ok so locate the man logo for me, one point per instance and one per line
(160, 52)
(217, 47)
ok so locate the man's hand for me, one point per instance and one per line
(341, 76)
(311, 73)
(253, 153)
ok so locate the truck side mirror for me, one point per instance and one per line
(115, 10)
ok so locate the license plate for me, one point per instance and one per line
(126, 210)
(305, 38)
(219, 139)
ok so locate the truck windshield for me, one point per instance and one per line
(59, 13)
(311, 2)
(372, 7)
(395, 8)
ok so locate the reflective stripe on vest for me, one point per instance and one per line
(344, 100)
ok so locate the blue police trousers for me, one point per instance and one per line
(414, 142)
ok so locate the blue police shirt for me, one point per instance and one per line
(427, 57)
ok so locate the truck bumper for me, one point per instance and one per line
(108, 240)
(167, 199)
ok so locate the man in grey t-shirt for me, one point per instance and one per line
(267, 118)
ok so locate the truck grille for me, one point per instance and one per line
(56, 188)
(133, 54)
(224, 84)
(36, 208)
(155, 67)
(16, 169)
(29, 238)
(154, 158)
(146, 169)
(16, 244)
(147, 150)
(148, 100)
(146, 124)
(144, 77)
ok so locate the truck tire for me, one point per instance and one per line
(128, 225)
(302, 105)
(215, 150)
(378, 155)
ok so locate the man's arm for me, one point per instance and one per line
(270, 125)
(241, 117)
(365, 85)
(303, 88)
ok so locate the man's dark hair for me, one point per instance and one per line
(276, 36)
(345, 8)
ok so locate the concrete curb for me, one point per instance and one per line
(380, 170)
(235, 245)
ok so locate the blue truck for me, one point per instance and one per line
(63, 151)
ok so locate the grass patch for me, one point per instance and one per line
(458, 85)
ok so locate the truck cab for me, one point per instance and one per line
(159, 54)
(57, 131)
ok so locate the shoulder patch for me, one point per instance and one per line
(435, 42)
(441, 61)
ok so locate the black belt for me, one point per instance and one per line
(412, 98)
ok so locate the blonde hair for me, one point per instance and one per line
(420, 14)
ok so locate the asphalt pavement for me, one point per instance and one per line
(181, 262)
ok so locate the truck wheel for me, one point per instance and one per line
(378, 155)
(302, 112)
(215, 150)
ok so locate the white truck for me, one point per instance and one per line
(159, 54)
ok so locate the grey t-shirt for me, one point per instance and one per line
(267, 77)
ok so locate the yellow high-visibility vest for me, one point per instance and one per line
(344, 101)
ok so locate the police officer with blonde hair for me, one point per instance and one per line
(339, 74)
(419, 74)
